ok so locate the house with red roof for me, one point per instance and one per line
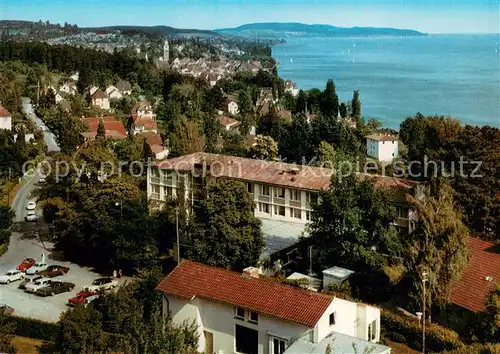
(243, 313)
(5, 119)
(113, 127)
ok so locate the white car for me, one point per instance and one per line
(37, 267)
(42, 180)
(31, 216)
(102, 284)
(31, 205)
(37, 284)
(11, 275)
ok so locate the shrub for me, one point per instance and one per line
(477, 348)
(396, 337)
(31, 328)
(437, 338)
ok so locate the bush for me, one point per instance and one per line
(437, 338)
(31, 328)
(477, 348)
(396, 337)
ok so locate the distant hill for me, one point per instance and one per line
(287, 29)
(156, 30)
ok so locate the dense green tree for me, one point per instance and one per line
(225, 231)
(265, 148)
(244, 103)
(6, 220)
(329, 104)
(356, 106)
(21, 146)
(80, 331)
(7, 327)
(343, 110)
(101, 132)
(272, 124)
(354, 220)
(296, 144)
(491, 324)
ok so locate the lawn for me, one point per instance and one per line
(27, 345)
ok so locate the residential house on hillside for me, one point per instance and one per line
(231, 106)
(100, 99)
(241, 313)
(144, 117)
(382, 147)
(75, 76)
(143, 109)
(124, 87)
(90, 90)
(281, 191)
(113, 93)
(155, 142)
(478, 279)
(291, 88)
(113, 128)
(228, 123)
(5, 119)
(68, 88)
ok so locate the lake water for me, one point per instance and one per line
(456, 75)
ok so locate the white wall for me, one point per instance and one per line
(6, 123)
(382, 150)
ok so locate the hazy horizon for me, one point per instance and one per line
(428, 16)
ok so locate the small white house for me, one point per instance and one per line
(5, 119)
(232, 107)
(240, 313)
(68, 88)
(382, 147)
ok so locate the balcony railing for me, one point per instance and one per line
(264, 198)
(155, 180)
(295, 203)
(155, 196)
(280, 201)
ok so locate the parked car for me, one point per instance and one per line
(42, 180)
(81, 297)
(37, 267)
(27, 281)
(101, 284)
(55, 287)
(26, 264)
(53, 271)
(31, 216)
(10, 276)
(37, 284)
(6, 310)
(31, 205)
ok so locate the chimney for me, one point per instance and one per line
(251, 272)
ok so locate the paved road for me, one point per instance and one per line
(49, 137)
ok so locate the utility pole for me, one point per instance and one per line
(177, 233)
(424, 280)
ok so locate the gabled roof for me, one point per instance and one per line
(479, 276)
(152, 138)
(113, 127)
(124, 85)
(4, 113)
(99, 94)
(228, 121)
(147, 123)
(267, 297)
(382, 137)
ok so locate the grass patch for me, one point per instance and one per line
(3, 248)
(27, 345)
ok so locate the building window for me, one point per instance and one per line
(308, 215)
(332, 318)
(254, 317)
(247, 340)
(239, 313)
(312, 198)
(167, 191)
(279, 346)
(250, 187)
(296, 213)
(296, 195)
(264, 208)
(264, 189)
(402, 212)
(156, 189)
(279, 192)
(372, 330)
(279, 210)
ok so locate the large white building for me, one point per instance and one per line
(382, 147)
(241, 313)
(5, 119)
(281, 191)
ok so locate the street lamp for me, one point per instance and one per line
(120, 204)
(424, 280)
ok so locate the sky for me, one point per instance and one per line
(430, 16)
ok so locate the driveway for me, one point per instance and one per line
(49, 137)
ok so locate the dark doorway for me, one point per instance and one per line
(247, 340)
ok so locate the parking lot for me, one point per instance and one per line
(30, 305)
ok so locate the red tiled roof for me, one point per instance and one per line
(153, 138)
(382, 137)
(4, 112)
(267, 297)
(110, 124)
(271, 172)
(147, 123)
(471, 290)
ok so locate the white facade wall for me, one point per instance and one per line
(232, 108)
(384, 151)
(6, 123)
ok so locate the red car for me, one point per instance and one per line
(80, 297)
(26, 264)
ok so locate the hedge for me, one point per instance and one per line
(477, 348)
(437, 338)
(31, 328)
